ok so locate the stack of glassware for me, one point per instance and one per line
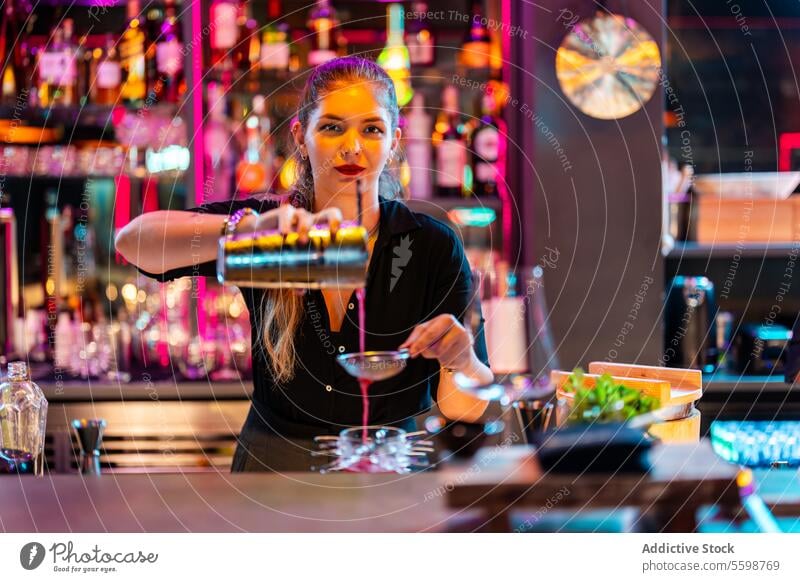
(383, 449)
(757, 443)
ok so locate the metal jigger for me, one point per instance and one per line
(90, 435)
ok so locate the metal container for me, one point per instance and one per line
(762, 349)
(536, 416)
(271, 259)
(690, 327)
(9, 285)
(90, 437)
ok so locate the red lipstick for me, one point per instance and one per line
(350, 169)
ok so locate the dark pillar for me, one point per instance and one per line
(589, 191)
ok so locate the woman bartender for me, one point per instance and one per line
(418, 281)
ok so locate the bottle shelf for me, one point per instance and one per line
(694, 250)
(138, 174)
(435, 76)
(449, 203)
(89, 115)
(720, 382)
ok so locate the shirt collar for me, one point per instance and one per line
(396, 218)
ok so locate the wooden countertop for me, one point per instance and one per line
(452, 498)
(223, 502)
(455, 498)
(106, 391)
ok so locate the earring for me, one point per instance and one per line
(303, 156)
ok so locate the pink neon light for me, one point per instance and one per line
(504, 194)
(198, 143)
(122, 208)
(788, 142)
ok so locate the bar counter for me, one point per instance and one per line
(220, 502)
(497, 490)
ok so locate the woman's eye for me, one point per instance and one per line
(330, 127)
(374, 129)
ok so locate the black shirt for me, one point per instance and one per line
(418, 270)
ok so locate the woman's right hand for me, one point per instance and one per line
(287, 218)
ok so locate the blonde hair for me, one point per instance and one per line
(282, 309)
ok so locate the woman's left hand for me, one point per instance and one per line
(442, 338)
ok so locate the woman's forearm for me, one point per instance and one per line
(168, 239)
(458, 405)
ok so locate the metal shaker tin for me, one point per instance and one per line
(273, 260)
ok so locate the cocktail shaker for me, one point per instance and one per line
(272, 259)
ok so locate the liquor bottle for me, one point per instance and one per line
(219, 153)
(64, 340)
(73, 55)
(418, 148)
(132, 49)
(341, 43)
(53, 248)
(11, 329)
(266, 153)
(487, 145)
(154, 79)
(275, 50)
(224, 30)
(451, 148)
(394, 56)
(248, 50)
(58, 69)
(419, 38)
(251, 174)
(169, 56)
(28, 57)
(107, 74)
(85, 62)
(51, 260)
(23, 419)
(322, 22)
(10, 71)
(476, 50)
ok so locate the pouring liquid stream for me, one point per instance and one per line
(364, 383)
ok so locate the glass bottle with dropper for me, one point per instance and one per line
(23, 417)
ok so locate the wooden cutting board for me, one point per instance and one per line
(672, 387)
(686, 385)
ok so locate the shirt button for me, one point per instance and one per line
(351, 306)
(328, 387)
(341, 349)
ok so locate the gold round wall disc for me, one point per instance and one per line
(608, 66)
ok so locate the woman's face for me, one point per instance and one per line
(349, 137)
